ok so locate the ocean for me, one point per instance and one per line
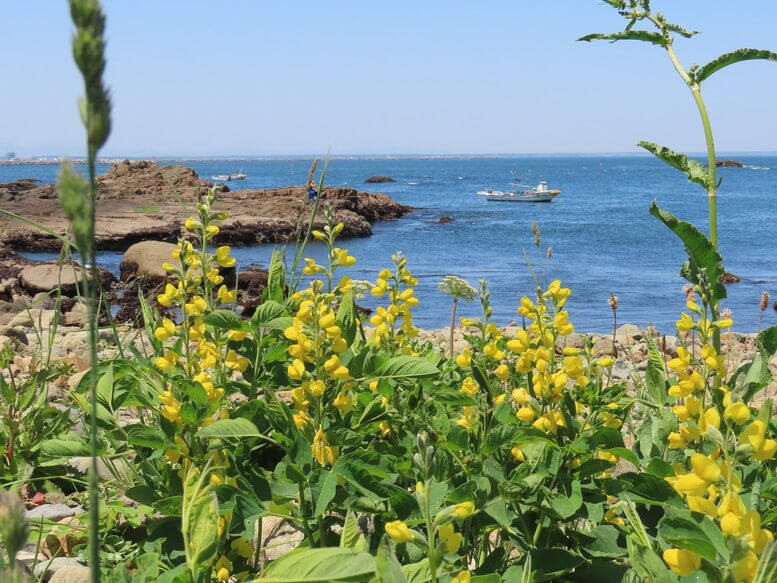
(602, 238)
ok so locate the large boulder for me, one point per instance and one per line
(379, 179)
(145, 259)
(47, 277)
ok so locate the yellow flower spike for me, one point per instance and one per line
(223, 258)
(682, 562)
(517, 453)
(343, 402)
(463, 510)
(399, 532)
(450, 538)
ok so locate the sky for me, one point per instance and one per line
(294, 77)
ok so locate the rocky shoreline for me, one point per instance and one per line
(141, 200)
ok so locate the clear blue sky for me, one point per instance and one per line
(202, 77)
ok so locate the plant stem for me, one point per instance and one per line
(453, 323)
(91, 288)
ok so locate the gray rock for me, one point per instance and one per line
(621, 370)
(46, 277)
(604, 347)
(54, 565)
(628, 334)
(52, 512)
(71, 574)
(18, 334)
(574, 340)
(23, 319)
(145, 260)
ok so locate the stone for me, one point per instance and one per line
(51, 567)
(46, 277)
(18, 334)
(379, 179)
(71, 574)
(443, 220)
(604, 347)
(279, 537)
(621, 370)
(574, 340)
(52, 512)
(627, 334)
(145, 259)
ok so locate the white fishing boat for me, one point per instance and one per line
(522, 193)
(228, 177)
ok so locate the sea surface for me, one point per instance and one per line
(602, 238)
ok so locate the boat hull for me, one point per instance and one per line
(497, 196)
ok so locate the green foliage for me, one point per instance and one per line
(738, 56)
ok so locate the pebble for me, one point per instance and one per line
(52, 512)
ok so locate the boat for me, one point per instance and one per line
(228, 177)
(522, 193)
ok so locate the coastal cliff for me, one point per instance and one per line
(139, 201)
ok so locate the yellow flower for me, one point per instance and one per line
(399, 532)
(612, 516)
(236, 362)
(462, 577)
(344, 259)
(502, 372)
(605, 362)
(463, 510)
(517, 453)
(682, 562)
(196, 307)
(469, 386)
(242, 547)
(222, 568)
(755, 435)
(738, 412)
(526, 414)
(385, 429)
(237, 335)
(223, 258)
(323, 453)
(450, 538)
(745, 569)
(464, 359)
(316, 388)
(169, 296)
(212, 230)
(166, 362)
(225, 296)
(296, 369)
(165, 331)
(343, 402)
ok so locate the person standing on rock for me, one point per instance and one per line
(312, 191)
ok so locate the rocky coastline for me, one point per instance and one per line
(141, 200)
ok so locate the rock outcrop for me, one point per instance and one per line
(729, 164)
(139, 201)
(379, 179)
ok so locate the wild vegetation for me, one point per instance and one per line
(517, 458)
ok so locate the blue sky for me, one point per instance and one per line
(366, 77)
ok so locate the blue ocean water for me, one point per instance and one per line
(602, 237)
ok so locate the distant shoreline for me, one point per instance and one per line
(56, 160)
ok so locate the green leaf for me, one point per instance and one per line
(105, 388)
(701, 252)
(327, 493)
(199, 520)
(655, 376)
(693, 532)
(57, 448)
(276, 278)
(550, 564)
(319, 565)
(693, 169)
(224, 319)
(767, 565)
(142, 436)
(729, 59)
(346, 316)
(641, 35)
(566, 506)
(387, 565)
(268, 311)
(352, 537)
(646, 563)
(767, 340)
(406, 367)
(680, 30)
(230, 429)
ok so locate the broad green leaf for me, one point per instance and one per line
(646, 563)
(224, 319)
(327, 493)
(387, 565)
(729, 59)
(407, 367)
(58, 448)
(642, 35)
(267, 311)
(701, 252)
(230, 429)
(550, 564)
(143, 436)
(105, 388)
(693, 169)
(352, 537)
(693, 532)
(346, 316)
(655, 376)
(319, 565)
(276, 278)
(199, 520)
(417, 572)
(566, 506)
(635, 523)
(767, 340)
